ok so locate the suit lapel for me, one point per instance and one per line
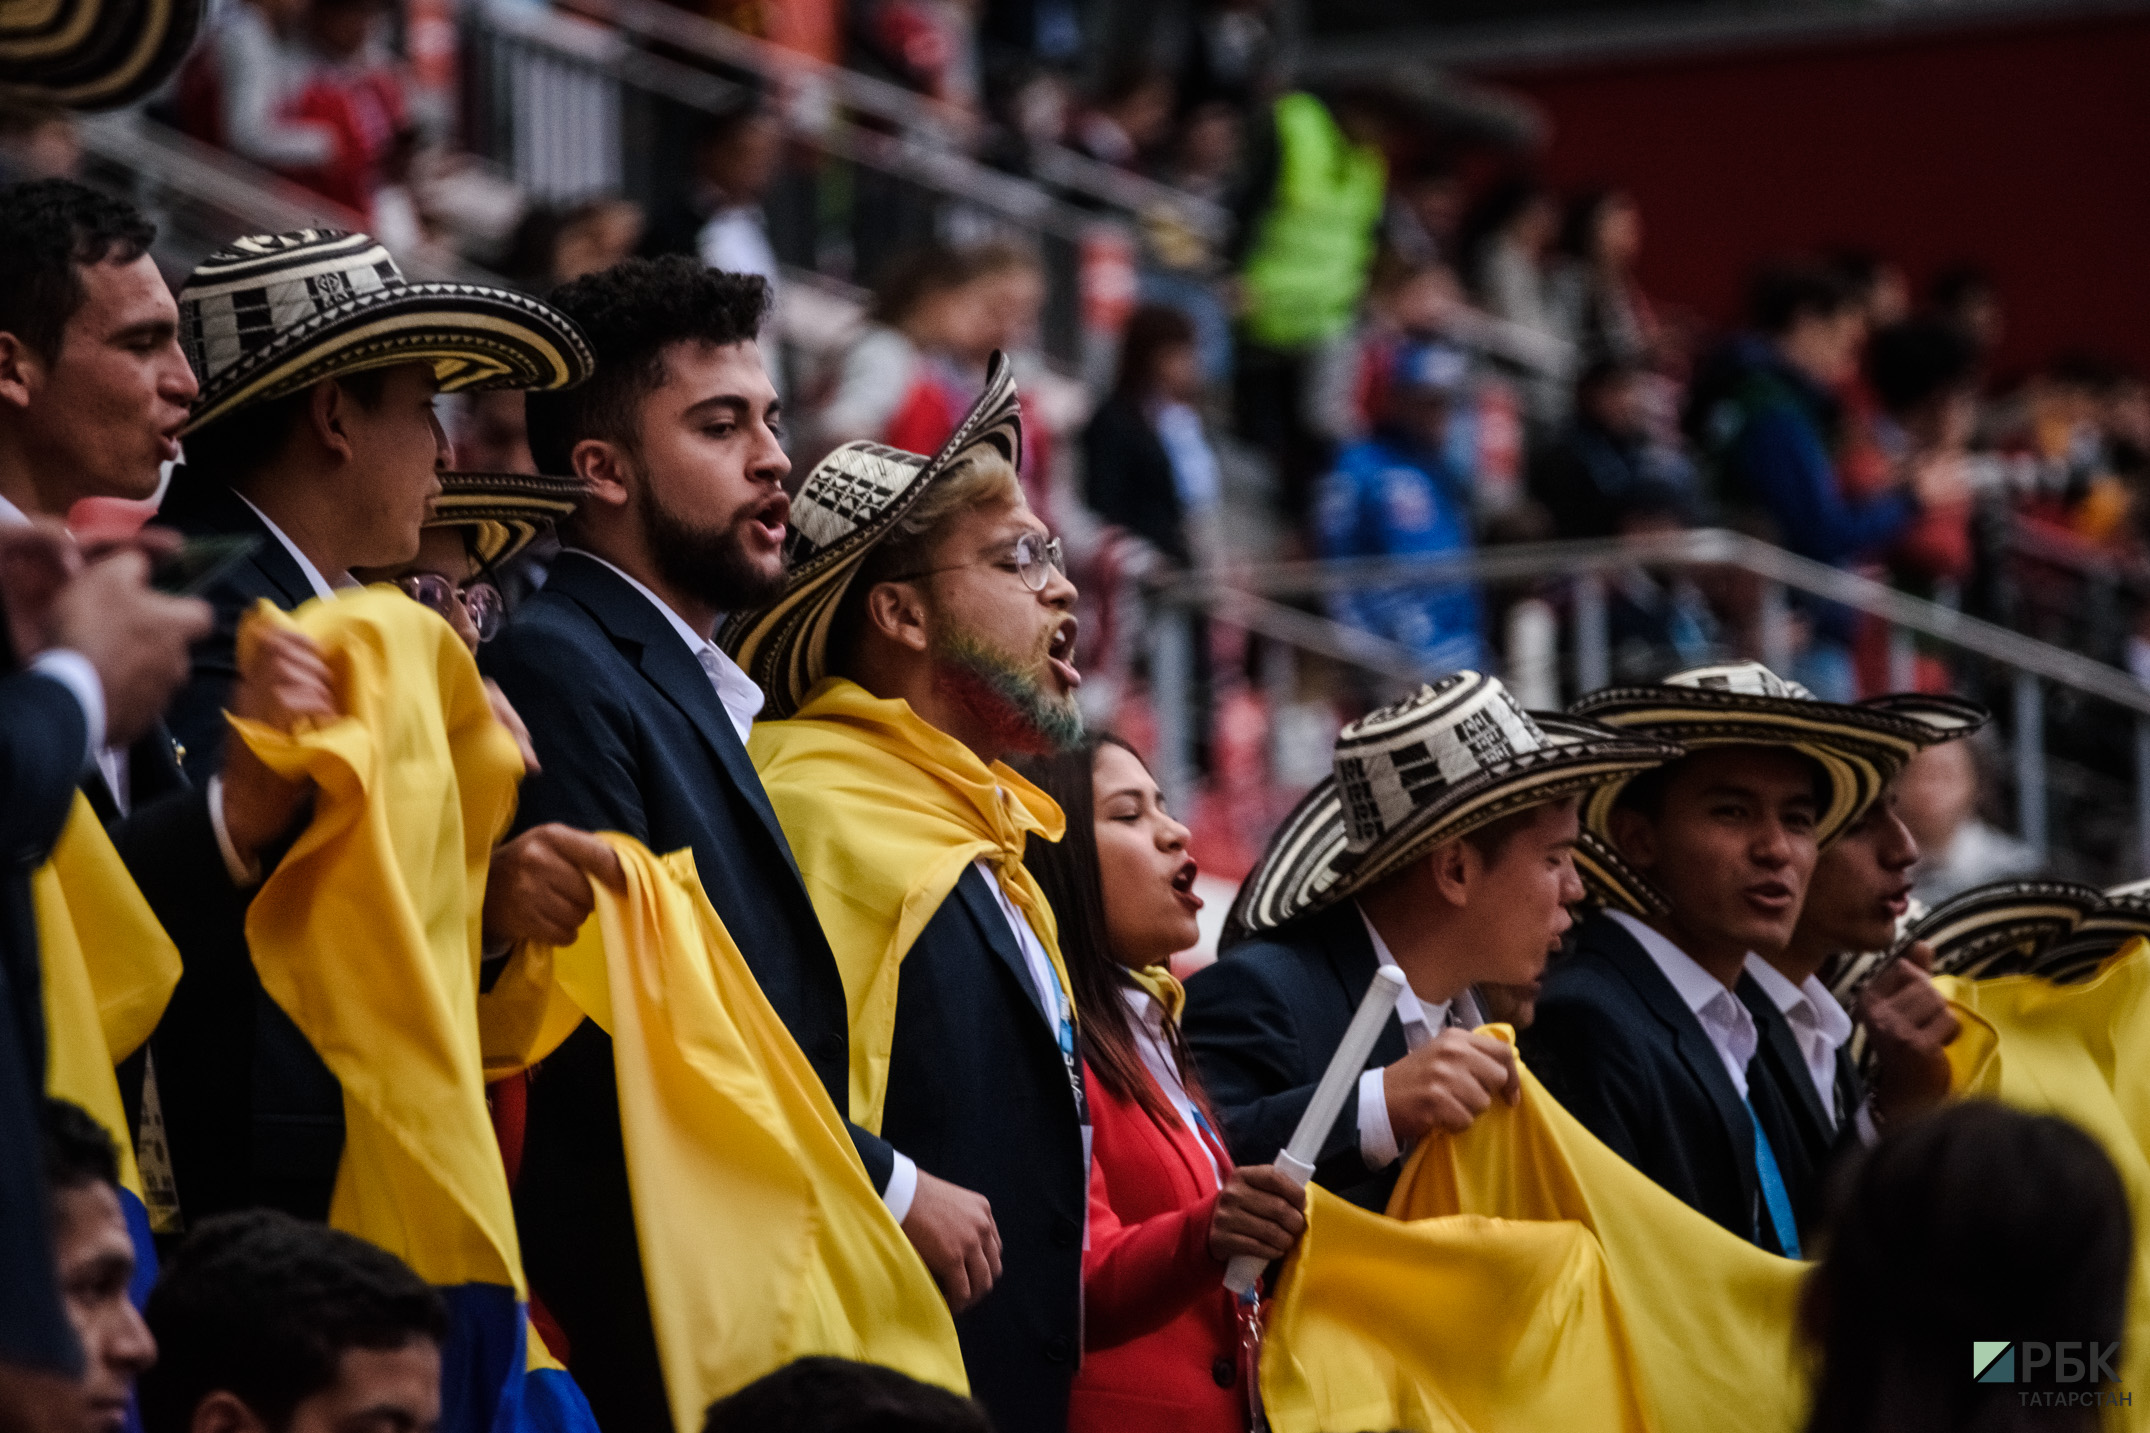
(1351, 958)
(198, 504)
(671, 669)
(1788, 1065)
(993, 925)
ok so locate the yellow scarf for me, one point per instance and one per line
(883, 813)
(762, 1239)
(367, 932)
(108, 971)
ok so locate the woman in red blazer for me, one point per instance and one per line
(1167, 1209)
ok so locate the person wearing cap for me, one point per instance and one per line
(1397, 493)
(313, 438)
(926, 634)
(639, 722)
(1646, 1030)
(1441, 846)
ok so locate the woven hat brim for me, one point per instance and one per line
(784, 646)
(475, 337)
(502, 513)
(93, 54)
(1307, 864)
(1998, 929)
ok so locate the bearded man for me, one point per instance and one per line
(639, 723)
(925, 636)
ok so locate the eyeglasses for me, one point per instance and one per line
(1035, 559)
(480, 601)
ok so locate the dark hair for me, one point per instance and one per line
(245, 440)
(1975, 1222)
(1579, 222)
(1603, 373)
(835, 1395)
(1785, 291)
(49, 230)
(1913, 362)
(78, 1151)
(264, 1306)
(1152, 330)
(631, 313)
(1067, 871)
(1488, 218)
(1953, 286)
(1645, 791)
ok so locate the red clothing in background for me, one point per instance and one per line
(1158, 1328)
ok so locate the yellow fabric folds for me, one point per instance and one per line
(108, 968)
(367, 932)
(2083, 1052)
(883, 812)
(1698, 1325)
(762, 1239)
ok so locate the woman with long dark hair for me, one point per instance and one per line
(1167, 1208)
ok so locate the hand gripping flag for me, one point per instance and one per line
(367, 935)
(762, 1239)
(108, 971)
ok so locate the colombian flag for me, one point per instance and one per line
(368, 935)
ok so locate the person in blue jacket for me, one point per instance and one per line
(1398, 494)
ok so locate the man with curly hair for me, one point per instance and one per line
(640, 722)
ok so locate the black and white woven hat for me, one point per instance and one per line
(847, 504)
(1452, 757)
(93, 54)
(272, 313)
(1860, 747)
(501, 513)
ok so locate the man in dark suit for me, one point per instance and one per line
(639, 722)
(1441, 846)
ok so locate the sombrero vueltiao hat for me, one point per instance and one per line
(1450, 758)
(501, 513)
(93, 54)
(1860, 747)
(847, 504)
(272, 313)
(1999, 928)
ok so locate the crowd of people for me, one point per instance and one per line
(801, 745)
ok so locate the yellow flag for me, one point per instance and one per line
(108, 971)
(762, 1239)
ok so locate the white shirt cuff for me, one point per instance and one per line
(1862, 1120)
(73, 671)
(902, 1186)
(244, 874)
(1377, 1142)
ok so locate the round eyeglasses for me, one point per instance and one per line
(480, 601)
(1035, 560)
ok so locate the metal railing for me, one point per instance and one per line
(1583, 569)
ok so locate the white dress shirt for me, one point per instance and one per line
(1156, 1053)
(1725, 1018)
(1421, 1021)
(1821, 1028)
(741, 697)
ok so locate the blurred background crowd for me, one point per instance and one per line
(1407, 284)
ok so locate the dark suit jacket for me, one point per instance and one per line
(1820, 1136)
(979, 1095)
(1263, 1023)
(1617, 1046)
(252, 1115)
(42, 740)
(1127, 477)
(633, 739)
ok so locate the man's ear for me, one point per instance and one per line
(22, 372)
(222, 1412)
(328, 410)
(1636, 837)
(1454, 868)
(603, 467)
(898, 613)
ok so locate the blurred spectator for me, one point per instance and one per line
(835, 1395)
(1965, 295)
(1973, 1218)
(264, 1321)
(1864, 463)
(1148, 466)
(1595, 301)
(1233, 54)
(1396, 494)
(1924, 376)
(1938, 798)
(717, 215)
(926, 45)
(1130, 119)
(354, 90)
(1657, 621)
(37, 141)
(1504, 246)
(96, 1258)
(239, 90)
(1183, 266)
(1426, 216)
(491, 434)
(1607, 458)
(1309, 205)
(1877, 283)
(553, 246)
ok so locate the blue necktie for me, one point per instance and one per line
(1774, 1193)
